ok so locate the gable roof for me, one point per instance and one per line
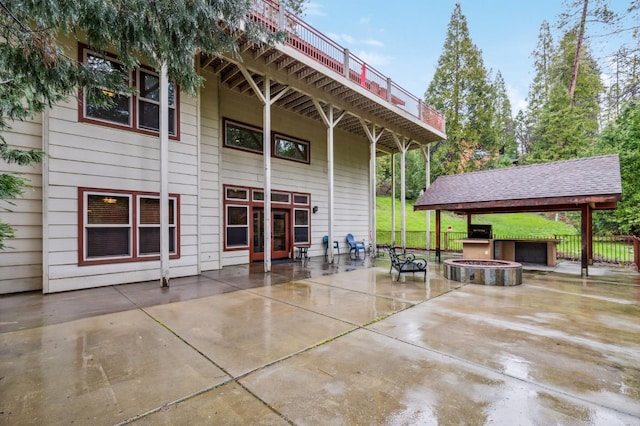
(561, 185)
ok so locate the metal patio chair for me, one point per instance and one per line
(325, 242)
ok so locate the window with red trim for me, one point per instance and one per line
(139, 112)
(123, 226)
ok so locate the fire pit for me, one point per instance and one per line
(483, 271)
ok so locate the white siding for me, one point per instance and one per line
(21, 261)
(95, 156)
(209, 175)
(351, 172)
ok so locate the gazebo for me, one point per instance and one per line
(582, 184)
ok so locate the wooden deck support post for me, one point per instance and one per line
(426, 153)
(264, 95)
(373, 136)
(331, 122)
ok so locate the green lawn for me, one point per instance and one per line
(508, 224)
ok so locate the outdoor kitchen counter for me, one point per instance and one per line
(540, 251)
(476, 248)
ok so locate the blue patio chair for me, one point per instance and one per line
(356, 246)
(325, 242)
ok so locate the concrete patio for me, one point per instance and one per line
(329, 345)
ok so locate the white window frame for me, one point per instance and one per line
(140, 98)
(227, 226)
(110, 58)
(86, 225)
(141, 225)
(296, 226)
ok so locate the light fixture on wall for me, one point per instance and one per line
(315, 209)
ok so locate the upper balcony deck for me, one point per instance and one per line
(315, 45)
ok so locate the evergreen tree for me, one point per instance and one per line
(622, 136)
(503, 121)
(566, 127)
(36, 72)
(539, 90)
(460, 87)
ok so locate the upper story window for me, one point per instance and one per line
(249, 138)
(139, 112)
(291, 149)
(242, 136)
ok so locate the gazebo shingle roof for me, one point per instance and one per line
(563, 183)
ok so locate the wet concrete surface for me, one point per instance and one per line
(326, 344)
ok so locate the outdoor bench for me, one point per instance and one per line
(404, 263)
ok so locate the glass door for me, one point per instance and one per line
(280, 234)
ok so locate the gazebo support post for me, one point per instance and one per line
(590, 234)
(586, 212)
(468, 224)
(438, 255)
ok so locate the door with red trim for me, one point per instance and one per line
(280, 234)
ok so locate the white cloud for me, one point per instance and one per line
(365, 20)
(372, 42)
(518, 101)
(374, 59)
(314, 9)
(342, 38)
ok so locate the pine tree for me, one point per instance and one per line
(539, 90)
(622, 136)
(461, 89)
(504, 123)
(566, 127)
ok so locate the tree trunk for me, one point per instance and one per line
(576, 60)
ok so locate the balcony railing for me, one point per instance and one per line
(315, 45)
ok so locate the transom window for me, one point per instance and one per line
(139, 112)
(243, 137)
(239, 211)
(291, 149)
(249, 138)
(119, 226)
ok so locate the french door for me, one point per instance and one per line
(280, 234)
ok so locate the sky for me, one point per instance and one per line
(403, 39)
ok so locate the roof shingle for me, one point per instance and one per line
(581, 177)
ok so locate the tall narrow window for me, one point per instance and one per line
(237, 226)
(301, 226)
(149, 226)
(149, 102)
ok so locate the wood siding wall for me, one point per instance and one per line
(210, 201)
(21, 261)
(97, 156)
(351, 172)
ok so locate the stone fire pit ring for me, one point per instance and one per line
(483, 271)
